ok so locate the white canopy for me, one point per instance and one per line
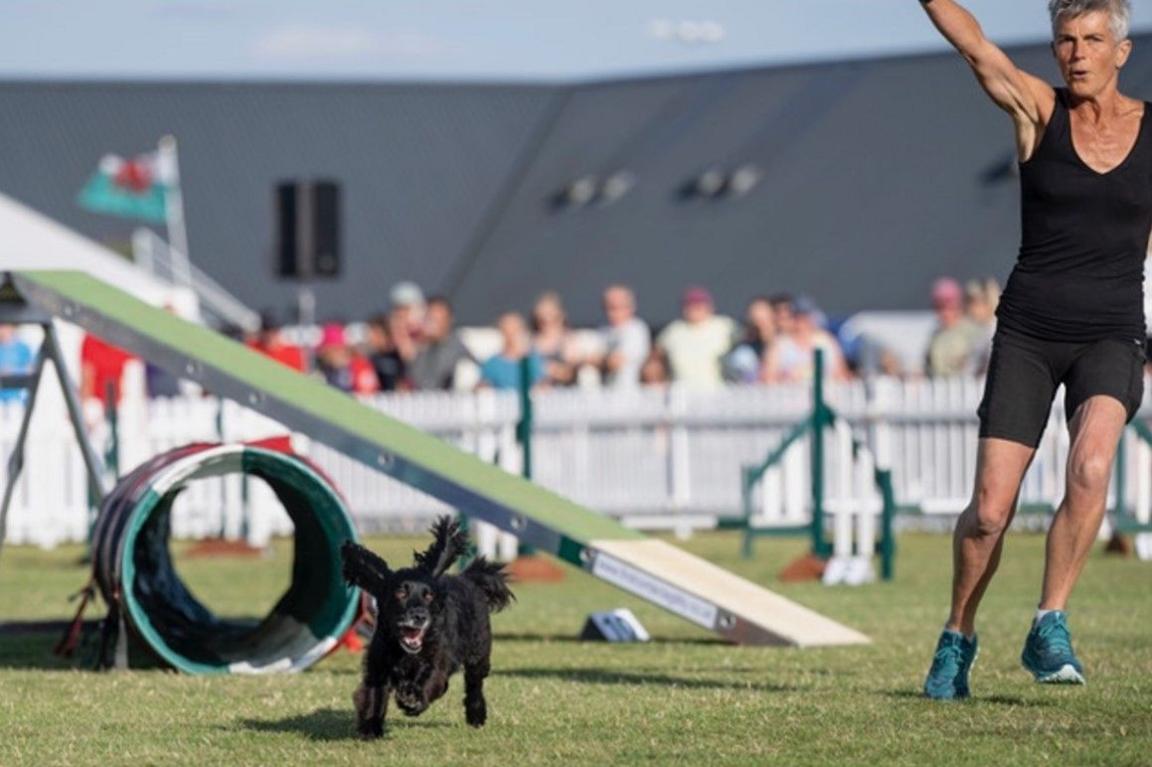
(30, 240)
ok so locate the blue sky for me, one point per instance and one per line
(467, 39)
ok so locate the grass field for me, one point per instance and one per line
(681, 699)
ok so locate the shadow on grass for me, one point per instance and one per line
(330, 724)
(575, 639)
(999, 700)
(603, 677)
(28, 648)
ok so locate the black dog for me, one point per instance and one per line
(428, 625)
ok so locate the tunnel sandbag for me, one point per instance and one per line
(133, 566)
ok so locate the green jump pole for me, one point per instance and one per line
(524, 425)
(747, 481)
(820, 419)
(1121, 479)
(524, 429)
(887, 518)
(112, 414)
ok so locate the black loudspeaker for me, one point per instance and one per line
(307, 231)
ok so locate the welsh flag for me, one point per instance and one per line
(131, 188)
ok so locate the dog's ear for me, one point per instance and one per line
(364, 569)
(450, 543)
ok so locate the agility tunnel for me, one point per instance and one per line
(133, 567)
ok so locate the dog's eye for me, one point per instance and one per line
(428, 597)
(401, 594)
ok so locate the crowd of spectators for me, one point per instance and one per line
(415, 345)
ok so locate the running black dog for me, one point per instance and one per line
(428, 625)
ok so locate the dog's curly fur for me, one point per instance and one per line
(428, 626)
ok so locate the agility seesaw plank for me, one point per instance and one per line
(687, 586)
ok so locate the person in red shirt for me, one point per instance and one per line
(101, 370)
(270, 341)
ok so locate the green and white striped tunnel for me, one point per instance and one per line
(134, 569)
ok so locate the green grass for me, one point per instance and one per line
(682, 699)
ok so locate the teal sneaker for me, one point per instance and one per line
(951, 665)
(969, 650)
(1048, 652)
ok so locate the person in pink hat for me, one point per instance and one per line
(952, 348)
(694, 345)
(341, 366)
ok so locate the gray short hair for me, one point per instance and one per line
(1119, 13)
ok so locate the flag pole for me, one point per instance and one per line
(169, 171)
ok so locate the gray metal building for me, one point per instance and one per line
(876, 177)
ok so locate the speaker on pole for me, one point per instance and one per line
(307, 229)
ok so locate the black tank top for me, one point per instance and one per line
(1080, 273)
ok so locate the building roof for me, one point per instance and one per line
(875, 177)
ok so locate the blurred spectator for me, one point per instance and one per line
(503, 370)
(866, 355)
(341, 366)
(792, 357)
(782, 313)
(158, 382)
(654, 372)
(101, 370)
(435, 364)
(695, 345)
(270, 341)
(626, 339)
(15, 359)
(745, 363)
(552, 340)
(406, 318)
(981, 297)
(389, 366)
(954, 341)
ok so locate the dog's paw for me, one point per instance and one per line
(410, 699)
(476, 714)
(369, 730)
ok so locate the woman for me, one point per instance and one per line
(1070, 314)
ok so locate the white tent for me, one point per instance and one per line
(30, 240)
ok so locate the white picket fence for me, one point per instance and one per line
(666, 458)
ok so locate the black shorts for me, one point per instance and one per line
(1024, 373)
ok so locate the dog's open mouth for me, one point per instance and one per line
(411, 638)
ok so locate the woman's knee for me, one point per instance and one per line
(1090, 472)
(990, 512)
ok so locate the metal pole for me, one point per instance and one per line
(72, 402)
(306, 311)
(169, 176)
(143, 247)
